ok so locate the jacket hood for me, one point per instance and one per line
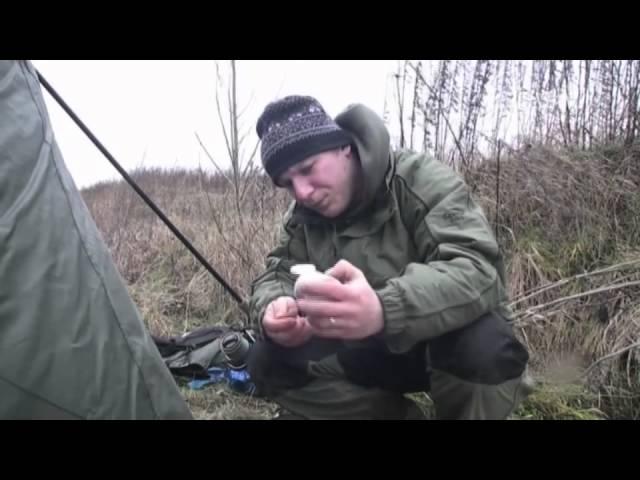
(372, 141)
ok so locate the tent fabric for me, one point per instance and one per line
(72, 342)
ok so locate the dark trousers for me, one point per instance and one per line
(474, 372)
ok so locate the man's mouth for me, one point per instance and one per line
(319, 205)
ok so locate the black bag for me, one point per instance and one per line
(193, 353)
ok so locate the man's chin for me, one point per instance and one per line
(326, 212)
(321, 211)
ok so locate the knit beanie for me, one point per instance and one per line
(292, 129)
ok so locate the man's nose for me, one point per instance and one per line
(302, 190)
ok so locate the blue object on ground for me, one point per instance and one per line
(216, 375)
(240, 381)
(237, 380)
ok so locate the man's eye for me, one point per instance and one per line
(306, 170)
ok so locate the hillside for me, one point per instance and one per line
(566, 218)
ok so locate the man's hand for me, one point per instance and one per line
(283, 324)
(348, 310)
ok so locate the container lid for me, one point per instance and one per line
(303, 268)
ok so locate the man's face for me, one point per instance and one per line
(324, 182)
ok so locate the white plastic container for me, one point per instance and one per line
(307, 272)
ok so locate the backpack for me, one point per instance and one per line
(194, 353)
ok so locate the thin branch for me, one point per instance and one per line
(219, 110)
(244, 109)
(498, 188)
(400, 96)
(213, 161)
(241, 254)
(248, 167)
(533, 310)
(539, 290)
(413, 111)
(248, 171)
(253, 153)
(214, 214)
(609, 356)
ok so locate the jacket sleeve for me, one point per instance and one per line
(276, 280)
(458, 276)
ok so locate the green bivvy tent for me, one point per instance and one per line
(72, 343)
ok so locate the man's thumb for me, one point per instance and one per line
(280, 307)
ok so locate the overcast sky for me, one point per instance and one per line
(146, 113)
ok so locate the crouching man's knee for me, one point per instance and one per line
(478, 371)
(485, 352)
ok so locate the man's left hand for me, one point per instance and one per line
(350, 310)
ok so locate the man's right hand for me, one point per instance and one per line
(283, 324)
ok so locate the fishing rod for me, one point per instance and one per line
(140, 192)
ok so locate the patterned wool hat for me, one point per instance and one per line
(292, 129)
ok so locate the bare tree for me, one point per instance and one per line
(400, 89)
(632, 85)
(243, 174)
(452, 105)
(575, 103)
(441, 93)
(567, 78)
(521, 101)
(414, 105)
(587, 74)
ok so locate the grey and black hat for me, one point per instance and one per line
(294, 128)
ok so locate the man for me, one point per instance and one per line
(72, 343)
(418, 302)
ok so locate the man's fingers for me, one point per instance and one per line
(330, 289)
(294, 335)
(282, 324)
(335, 332)
(284, 307)
(321, 308)
(344, 271)
(301, 330)
(328, 323)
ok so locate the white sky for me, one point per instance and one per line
(146, 113)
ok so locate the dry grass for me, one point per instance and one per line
(567, 220)
(565, 402)
(173, 291)
(569, 224)
(556, 195)
(220, 403)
